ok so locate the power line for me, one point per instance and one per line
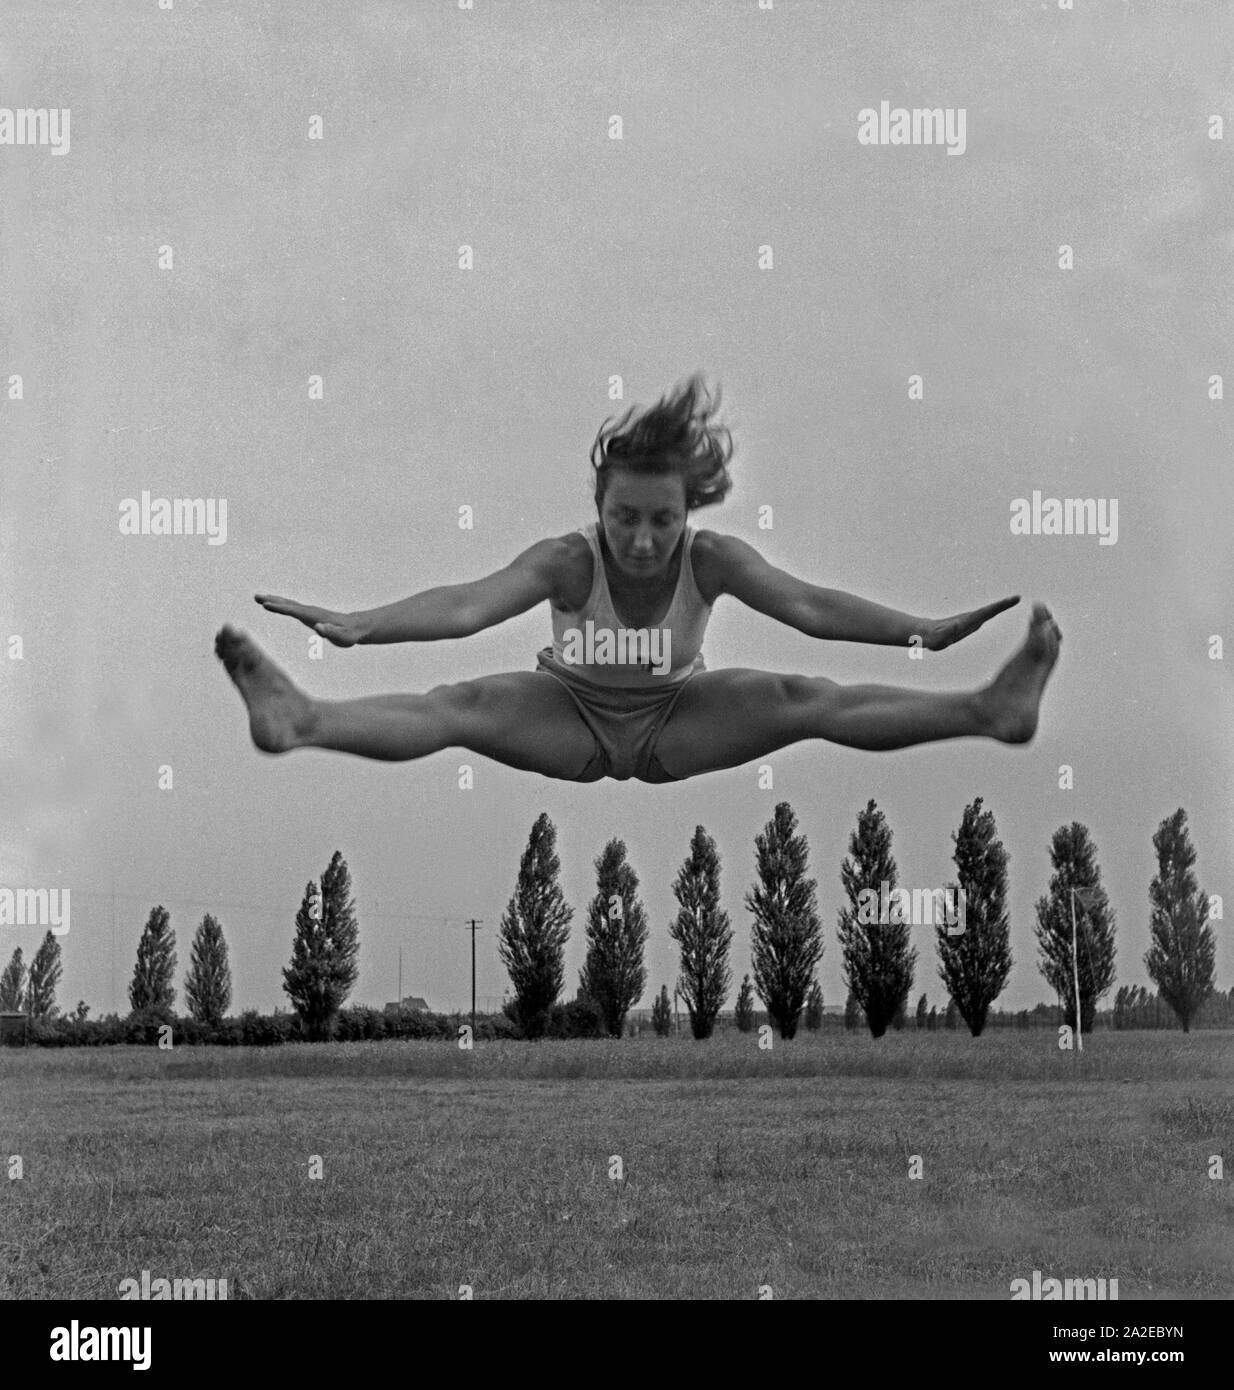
(221, 904)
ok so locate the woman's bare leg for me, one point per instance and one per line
(524, 719)
(726, 718)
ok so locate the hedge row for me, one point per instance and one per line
(252, 1029)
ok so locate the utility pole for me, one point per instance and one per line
(474, 920)
(113, 939)
(400, 981)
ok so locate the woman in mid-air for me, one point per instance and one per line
(623, 691)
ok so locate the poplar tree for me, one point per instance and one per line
(1074, 857)
(975, 964)
(534, 929)
(324, 952)
(45, 971)
(207, 987)
(1182, 957)
(878, 962)
(701, 929)
(13, 984)
(613, 973)
(787, 935)
(151, 987)
(662, 1014)
(743, 1012)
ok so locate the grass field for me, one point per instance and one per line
(742, 1168)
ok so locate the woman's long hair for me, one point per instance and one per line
(676, 435)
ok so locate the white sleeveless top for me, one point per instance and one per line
(593, 644)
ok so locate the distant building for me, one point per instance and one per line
(14, 1024)
(412, 1004)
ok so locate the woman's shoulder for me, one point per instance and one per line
(708, 555)
(575, 570)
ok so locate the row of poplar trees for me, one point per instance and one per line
(878, 962)
(323, 970)
(325, 959)
(32, 989)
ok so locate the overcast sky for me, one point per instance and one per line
(593, 258)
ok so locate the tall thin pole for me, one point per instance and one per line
(1075, 970)
(400, 979)
(474, 920)
(113, 940)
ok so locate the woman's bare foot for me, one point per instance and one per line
(1012, 698)
(281, 716)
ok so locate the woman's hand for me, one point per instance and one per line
(944, 632)
(342, 629)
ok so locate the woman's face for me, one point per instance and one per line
(643, 516)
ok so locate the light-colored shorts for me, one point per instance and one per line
(625, 724)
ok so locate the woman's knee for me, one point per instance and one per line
(807, 692)
(462, 706)
(810, 702)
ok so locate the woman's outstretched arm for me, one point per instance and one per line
(452, 610)
(832, 613)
